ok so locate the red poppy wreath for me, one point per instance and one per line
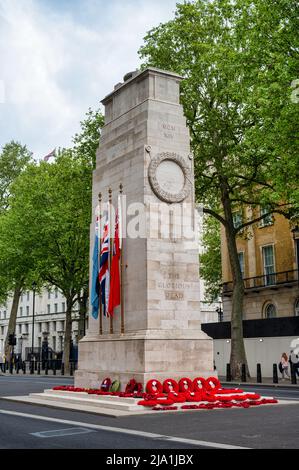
(153, 387)
(170, 385)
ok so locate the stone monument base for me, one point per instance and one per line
(144, 355)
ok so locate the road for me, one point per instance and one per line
(32, 426)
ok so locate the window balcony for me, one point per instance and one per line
(272, 281)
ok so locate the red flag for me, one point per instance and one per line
(114, 295)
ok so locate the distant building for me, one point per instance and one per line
(269, 260)
(268, 256)
(49, 321)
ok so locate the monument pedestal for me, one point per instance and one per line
(144, 356)
(145, 146)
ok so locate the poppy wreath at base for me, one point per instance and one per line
(170, 385)
(212, 384)
(186, 385)
(147, 403)
(194, 396)
(177, 397)
(106, 384)
(164, 401)
(166, 408)
(199, 383)
(154, 386)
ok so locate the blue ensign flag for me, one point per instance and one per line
(95, 287)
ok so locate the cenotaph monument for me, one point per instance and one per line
(145, 147)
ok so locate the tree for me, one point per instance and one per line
(87, 140)
(210, 258)
(52, 204)
(14, 158)
(226, 52)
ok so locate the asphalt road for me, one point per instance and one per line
(37, 427)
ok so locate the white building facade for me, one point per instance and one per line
(49, 321)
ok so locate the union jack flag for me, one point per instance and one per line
(104, 268)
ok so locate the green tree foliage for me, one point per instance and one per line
(87, 140)
(52, 201)
(13, 159)
(238, 62)
(210, 259)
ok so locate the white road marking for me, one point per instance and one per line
(131, 432)
(62, 432)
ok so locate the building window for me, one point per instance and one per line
(21, 311)
(40, 327)
(55, 308)
(237, 219)
(22, 296)
(54, 343)
(27, 310)
(242, 262)
(20, 329)
(49, 294)
(2, 330)
(269, 264)
(49, 308)
(268, 219)
(270, 311)
(39, 342)
(63, 306)
(26, 328)
(28, 295)
(4, 314)
(297, 308)
(54, 325)
(56, 293)
(60, 343)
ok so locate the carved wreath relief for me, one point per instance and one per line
(169, 177)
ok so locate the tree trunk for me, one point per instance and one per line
(12, 321)
(82, 313)
(68, 334)
(238, 354)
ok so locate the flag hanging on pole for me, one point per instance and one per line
(104, 268)
(114, 297)
(95, 286)
(51, 154)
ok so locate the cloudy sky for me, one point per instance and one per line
(60, 57)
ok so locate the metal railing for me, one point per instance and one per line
(265, 280)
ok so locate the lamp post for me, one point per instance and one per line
(33, 312)
(295, 232)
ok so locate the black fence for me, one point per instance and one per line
(281, 326)
(37, 367)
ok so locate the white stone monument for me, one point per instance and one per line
(145, 146)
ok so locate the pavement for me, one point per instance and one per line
(37, 427)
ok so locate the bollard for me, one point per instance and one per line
(31, 367)
(62, 368)
(243, 373)
(24, 367)
(35, 365)
(258, 374)
(275, 375)
(54, 368)
(38, 368)
(46, 368)
(293, 375)
(71, 369)
(228, 373)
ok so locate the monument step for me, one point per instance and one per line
(95, 401)
(93, 397)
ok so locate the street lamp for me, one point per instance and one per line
(33, 312)
(295, 232)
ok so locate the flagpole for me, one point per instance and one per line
(122, 317)
(110, 250)
(100, 249)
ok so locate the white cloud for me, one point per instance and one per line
(57, 59)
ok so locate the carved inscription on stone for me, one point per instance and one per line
(174, 295)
